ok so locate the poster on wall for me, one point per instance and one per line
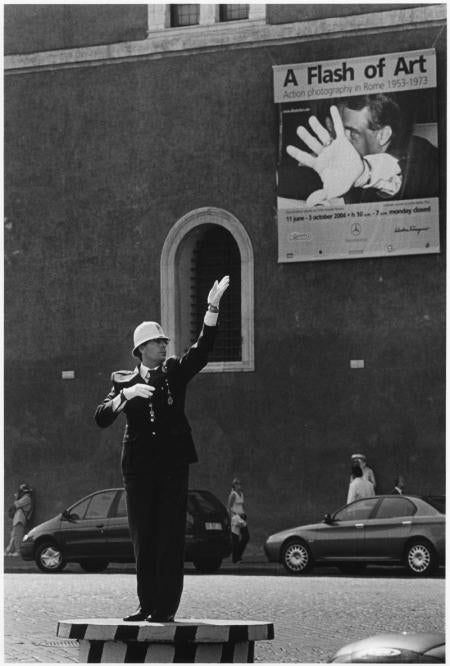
(358, 170)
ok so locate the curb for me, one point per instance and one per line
(247, 568)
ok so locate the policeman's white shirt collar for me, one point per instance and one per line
(143, 370)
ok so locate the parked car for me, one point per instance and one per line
(386, 529)
(394, 648)
(94, 532)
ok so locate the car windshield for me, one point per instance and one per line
(203, 502)
(79, 509)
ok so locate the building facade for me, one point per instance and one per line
(140, 142)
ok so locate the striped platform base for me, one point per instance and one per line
(183, 641)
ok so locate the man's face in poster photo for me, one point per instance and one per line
(357, 128)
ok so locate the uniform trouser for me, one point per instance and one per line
(156, 505)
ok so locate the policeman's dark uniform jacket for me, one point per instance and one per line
(156, 453)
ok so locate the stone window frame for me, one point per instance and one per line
(185, 17)
(158, 17)
(173, 241)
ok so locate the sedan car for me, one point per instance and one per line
(386, 529)
(94, 532)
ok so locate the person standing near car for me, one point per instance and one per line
(156, 453)
(359, 486)
(367, 472)
(239, 529)
(20, 512)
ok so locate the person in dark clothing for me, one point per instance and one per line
(399, 485)
(156, 453)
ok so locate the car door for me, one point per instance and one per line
(388, 529)
(83, 535)
(344, 537)
(120, 547)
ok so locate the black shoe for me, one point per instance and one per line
(159, 617)
(138, 616)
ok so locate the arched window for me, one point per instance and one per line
(201, 247)
(215, 254)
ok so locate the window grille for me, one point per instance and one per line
(182, 15)
(216, 254)
(233, 12)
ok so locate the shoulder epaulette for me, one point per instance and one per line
(122, 375)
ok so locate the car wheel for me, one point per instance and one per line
(420, 558)
(296, 557)
(49, 557)
(94, 566)
(208, 566)
(351, 568)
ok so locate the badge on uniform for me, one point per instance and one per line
(169, 394)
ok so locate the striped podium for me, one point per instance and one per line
(186, 641)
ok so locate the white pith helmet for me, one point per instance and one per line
(147, 330)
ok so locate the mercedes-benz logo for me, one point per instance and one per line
(356, 229)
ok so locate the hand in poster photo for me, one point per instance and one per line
(337, 162)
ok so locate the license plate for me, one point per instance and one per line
(213, 526)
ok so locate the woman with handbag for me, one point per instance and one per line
(239, 528)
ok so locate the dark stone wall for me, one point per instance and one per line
(32, 28)
(100, 162)
(287, 13)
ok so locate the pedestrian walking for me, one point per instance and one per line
(359, 486)
(238, 518)
(20, 511)
(156, 453)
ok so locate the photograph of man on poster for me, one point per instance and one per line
(360, 149)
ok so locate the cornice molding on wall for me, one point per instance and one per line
(196, 39)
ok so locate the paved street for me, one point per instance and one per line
(313, 615)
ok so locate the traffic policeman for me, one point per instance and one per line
(156, 452)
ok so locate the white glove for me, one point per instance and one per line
(336, 161)
(217, 291)
(138, 391)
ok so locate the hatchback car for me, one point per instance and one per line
(386, 529)
(94, 532)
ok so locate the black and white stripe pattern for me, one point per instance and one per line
(184, 641)
(200, 631)
(138, 652)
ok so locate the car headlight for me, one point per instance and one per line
(28, 537)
